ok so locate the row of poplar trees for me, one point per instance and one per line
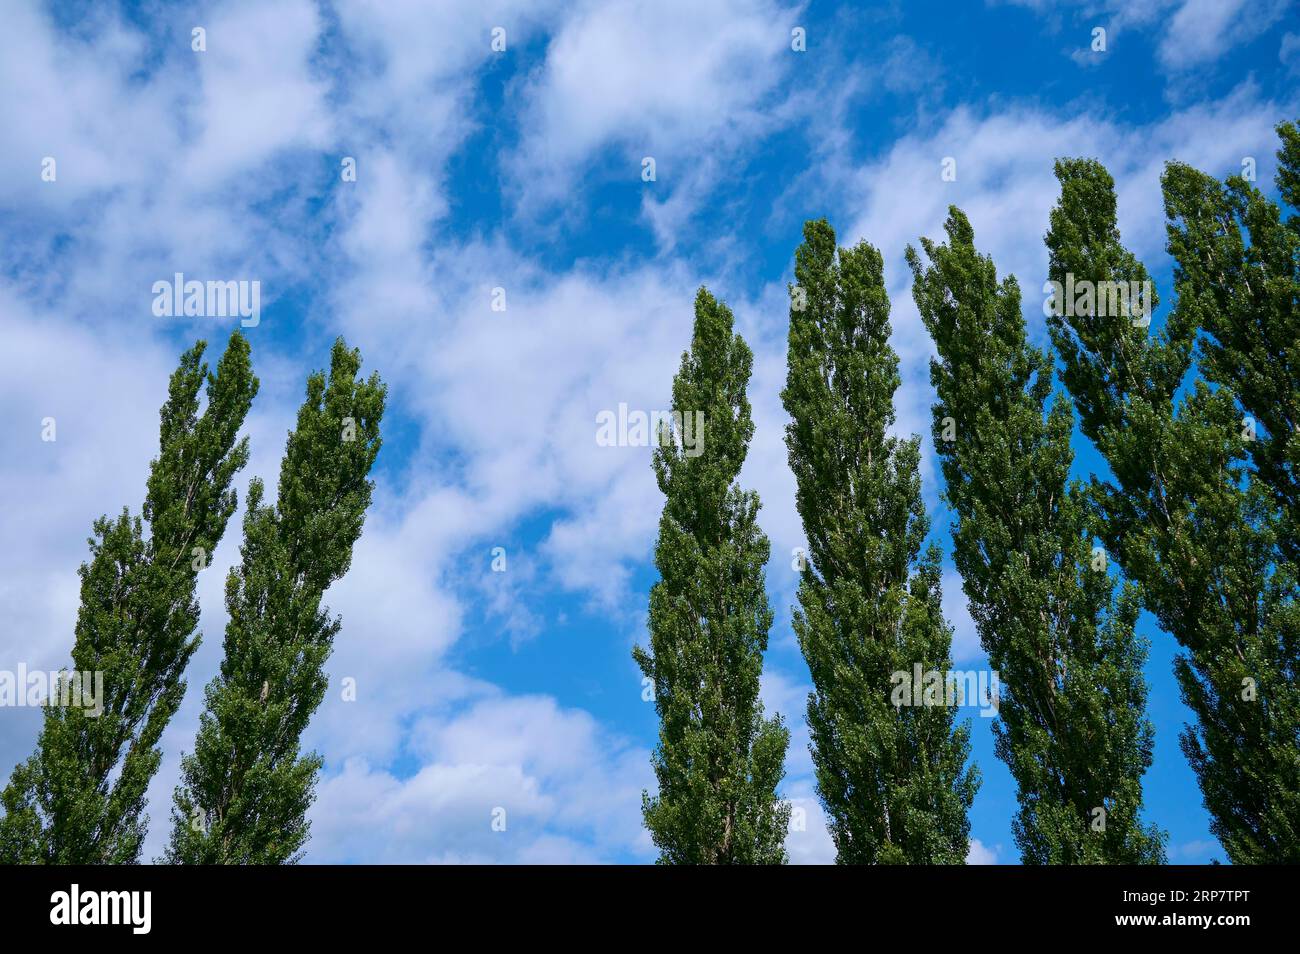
(1198, 426)
(246, 787)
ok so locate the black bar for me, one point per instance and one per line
(325, 904)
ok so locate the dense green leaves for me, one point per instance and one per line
(718, 761)
(892, 779)
(246, 788)
(1200, 508)
(1238, 280)
(1073, 728)
(80, 798)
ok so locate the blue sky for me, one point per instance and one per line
(521, 170)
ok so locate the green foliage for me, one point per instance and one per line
(1073, 729)
(892, 779)
(1238, 281)
(246, 788)
(718, 761)
(80, 798)
(1201, 516)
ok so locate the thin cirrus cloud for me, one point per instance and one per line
(1186, 34)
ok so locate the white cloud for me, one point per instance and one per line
(679, 81)
(965, 639)
(1201, 31)
(77, 104)
(258, 94)
(982, 854)
(1289, 51)
(1188, 33)
(1196, 852)
(811, 845)
(566, 789)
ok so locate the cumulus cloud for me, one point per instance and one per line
(982, 854)
(684, 83)
(506, 779)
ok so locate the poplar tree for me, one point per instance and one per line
(718, 761)
(1238, 281)
(1072, 727)
(246, 788)
(892, 779)
(80, 798)
(1197, 510)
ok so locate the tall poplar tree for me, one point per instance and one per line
(893, 780)
(80, 798)
(1238, 281)
(1072, 727)
(718, 761)
(246, 788)
(1197, 510)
